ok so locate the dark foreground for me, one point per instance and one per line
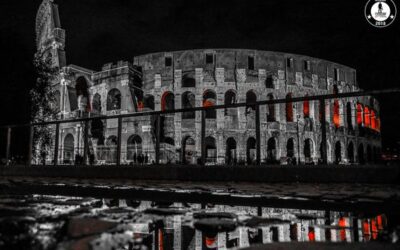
(60, 213)
(264, 174)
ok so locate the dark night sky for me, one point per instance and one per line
(101, 31)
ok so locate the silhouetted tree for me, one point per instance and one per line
(43, 101)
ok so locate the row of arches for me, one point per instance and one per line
(134, 149)
(366, 116)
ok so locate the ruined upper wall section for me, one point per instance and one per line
(278, 64)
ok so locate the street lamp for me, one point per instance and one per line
(298, 134)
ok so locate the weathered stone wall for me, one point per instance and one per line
(231, 70)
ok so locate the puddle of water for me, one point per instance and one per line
(59, 222)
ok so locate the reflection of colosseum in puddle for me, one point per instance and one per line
(206, 77)
(286, 225)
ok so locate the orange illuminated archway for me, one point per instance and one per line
(306, 108)
(367, 117)
(359, 114)
(289, 108)
(336, 113)
(373, 120)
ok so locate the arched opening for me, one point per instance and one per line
(271, 150)
(373, 120)
(149, 102)
(133, 148)
(360, 109)
(209, 100)
(230, 152)
(68, 149)
(251, 98)
(307, 150)
(338, 152)
(188, 101)
(97, 131)
(188, 80)
(271, 109)
(211, 149)
(269, 82)
(367, 117)
(96, 104)
(349, 116)
(289, 108)
(168, 150)
(189, 150)
(290, 148)
(350, 152)
(361, 154)
(229, 99)
(167, 101)
(306, 108)
(369, 154)
(114, 99)
(111, 144)
(336, 113)
(251, 150)
(82, 93)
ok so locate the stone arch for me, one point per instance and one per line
(168, 150)
(251, 150)
(251, 98)
(230, 152)
(96, 103)
(209, 100)
(336, 113)
(306, 108)
(111, 144)
(271, 109)
(230, 97)
(82, 94)
(114, 99)
(350, 152)
(167, 101)
(149, 102)
(308, 149)
(69, 148)
(211, 149)
(271, 150)
(133, 147)
(189, 150)
(289, 108)
(188, 101)
(290, 148)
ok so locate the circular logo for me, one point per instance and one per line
(380, 13)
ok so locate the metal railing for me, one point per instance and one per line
(157, 114)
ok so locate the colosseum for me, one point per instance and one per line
(290, 132)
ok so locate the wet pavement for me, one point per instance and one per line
(155, 215)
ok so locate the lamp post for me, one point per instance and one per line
(298, 135)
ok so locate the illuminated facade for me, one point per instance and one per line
(290, 132)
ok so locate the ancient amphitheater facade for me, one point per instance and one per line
(289, 132)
